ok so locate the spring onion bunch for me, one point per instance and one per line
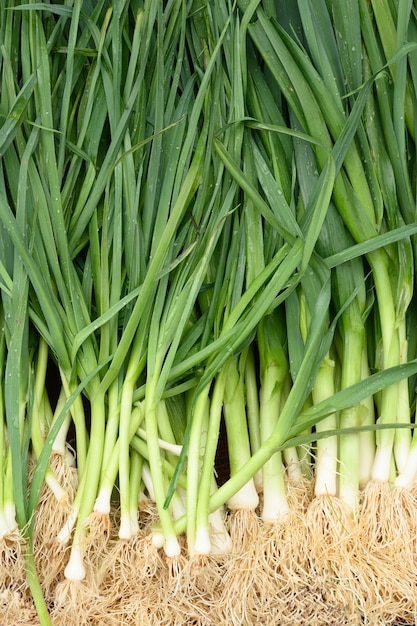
(207, 240)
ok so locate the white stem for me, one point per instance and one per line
(202, 541)
(258, 480)
(164, 445)
(69, 456)
(5, 528)
(348, 479)
(134, 522)
(125, 528)
(60, 443)
(172, 547)
(58, 491)
(103, 500)
(177, 507)
(293, 465)
(275, 503)
(402, 440)
(382, 463)
(129, 524)
(326, 461)
(142, 497)
(64, 534)
(275, 506)
(246, 498)
(409, 474)
(158, 539)
(367, 443)
(326, 468)
(75, 569)
(147, 479)
(9, 510)
(221, 542)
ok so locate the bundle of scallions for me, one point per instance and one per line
(207, 248)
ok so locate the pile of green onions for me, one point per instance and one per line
(207, 240)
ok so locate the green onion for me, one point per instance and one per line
(208, 219)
